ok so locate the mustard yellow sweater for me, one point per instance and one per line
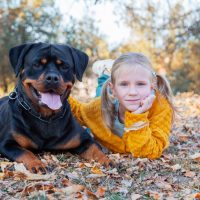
(149, 141)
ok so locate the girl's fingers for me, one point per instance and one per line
(145, 104)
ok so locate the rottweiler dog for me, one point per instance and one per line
(37, 115)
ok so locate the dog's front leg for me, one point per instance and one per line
(16, 153)
(31, 162)
(94, 153)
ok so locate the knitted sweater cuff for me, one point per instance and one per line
(132, 118)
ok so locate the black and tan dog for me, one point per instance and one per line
(37, 115)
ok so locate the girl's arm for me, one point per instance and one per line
(147, 134)
(76, 108)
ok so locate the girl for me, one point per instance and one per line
(134, 113)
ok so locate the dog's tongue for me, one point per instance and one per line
(53, 101)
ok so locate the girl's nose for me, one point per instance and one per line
(132, 91)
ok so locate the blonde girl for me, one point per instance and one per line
(134, 113)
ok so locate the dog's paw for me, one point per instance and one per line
(94, 153)
(37, 167)
(32, 163)
(106, 162)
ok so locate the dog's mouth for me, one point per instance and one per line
(50, 99)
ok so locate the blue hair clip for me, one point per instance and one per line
(153, 92)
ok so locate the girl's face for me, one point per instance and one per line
(132, 85)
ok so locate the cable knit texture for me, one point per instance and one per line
(149, 141)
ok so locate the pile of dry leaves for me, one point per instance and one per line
(176, 175)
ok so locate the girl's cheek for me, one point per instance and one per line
(146, 94)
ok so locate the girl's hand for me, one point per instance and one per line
(145, 104)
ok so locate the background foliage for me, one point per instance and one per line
(170, 38)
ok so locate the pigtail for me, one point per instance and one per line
(107, 106)
(164, 88)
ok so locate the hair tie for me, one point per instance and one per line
(154, 73)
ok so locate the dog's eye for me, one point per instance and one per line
(36, 65)
(43, 61)
(64, 67)
(59, 62)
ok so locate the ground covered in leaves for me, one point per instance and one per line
(176, 175)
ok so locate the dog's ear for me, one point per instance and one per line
(80, 62)
(16, 56)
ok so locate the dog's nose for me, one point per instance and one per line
(52, 78)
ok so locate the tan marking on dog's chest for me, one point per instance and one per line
(72, 143)
(24, 141)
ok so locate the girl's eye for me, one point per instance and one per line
(141, 84)
(123, 84)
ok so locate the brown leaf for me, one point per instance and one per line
(90, 194)
(66, 182)
(36, 187)
(197, 195)
(189, 174)
(73, 189)
(195, 156)
(100, 192)
(183, 138)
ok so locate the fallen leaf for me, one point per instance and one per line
(135, 196)
(189, 174)
(127, 183)
(100, 192)
(88, 164)
(65, 182)
(2, 176)
(81, 165)
(197, 195)
(96, 170)
(95, 175)
(4, 165)
(163, 185)
(73, 175)
(36, 187)
(183, 138)
(176, 167)
(195, 156)
(90, 194)
(22, 172)
(73, 189)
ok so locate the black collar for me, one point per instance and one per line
(15, 95)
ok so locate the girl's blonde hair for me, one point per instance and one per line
(135, 59)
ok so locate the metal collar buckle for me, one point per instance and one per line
(13, 95)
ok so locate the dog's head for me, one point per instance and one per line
(48, 71)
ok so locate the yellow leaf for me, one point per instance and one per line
(2, 175)
(96, 170)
